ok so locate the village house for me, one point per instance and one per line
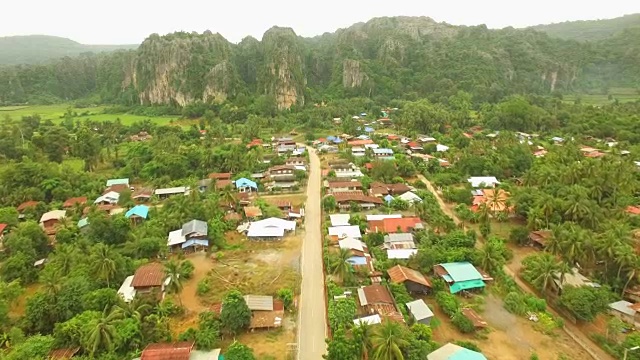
(346, 170)
(377, 299)
(461, 276)
(483, 181)
(50, 220)
(142, 195)
(340, 219)
(360, 256)
(410, 197)
(394, 225)
(63, 353)
(358, 151)
(255, 143)
(110, 198)
(166, 193)
(24, 206)
(220, 180)
(112, 182)
(413, 280)
(137, 213)
(385, 122)
(74, 201)
(420, 312)
(426, 139)
(252, 212)
(141, 136)
(360, 142)
(285, 145)
(344, 200)
(245, 185)
(148, 278)
(540, 238)
(270, 229)
(572, 278)
(414, 146)
(342, 186)
(451, 351)
(297, 162)
(343, 232)
(281, 177)
(177, 351)
(266, 312)
(383, 153)
(379, 189)
(399, 241)
(626, 311)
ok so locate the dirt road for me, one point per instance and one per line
(580, 338)
(312, 324)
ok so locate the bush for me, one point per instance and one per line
(519, 303)
(448, 303)
(519, 235)
(468, 345)
(204, 286)
(286, 295)
(462, 323)
(186, 269)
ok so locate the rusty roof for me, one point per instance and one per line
(281, 167)
(76, 200)
(400, 274)
(341, 184)
(356, 196)
(63, 354)
(147, 275)
(474, 317)
(232, 216)
(167, 351)
(252, 211)
(223, 183)
(540, 236)
(220, 176)
(377, 293)
(119, 188)
(27, 204)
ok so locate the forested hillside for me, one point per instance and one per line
(589, 30)
(36, 49)
(385, 58)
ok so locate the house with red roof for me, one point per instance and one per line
(27, 204)
(74, 201)
(414, 146)
(390, 225)
(184, 350)
(254, 143)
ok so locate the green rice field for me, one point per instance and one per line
(621, 94)
(56, 112)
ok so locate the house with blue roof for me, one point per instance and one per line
(84, 222)
(245, 185)
(461, 276)
(451, 351)
(137, 213)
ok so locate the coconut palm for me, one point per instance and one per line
(172, 270)
(496, 200)
(625, 256)
(363, 334)
(104, 333)
(136, 309)
(65, 257)
(389, 341)
(51, 280)
(542, 269)
(341, 266)
(104, 264)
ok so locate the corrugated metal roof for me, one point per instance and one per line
(398, 237)
(195, 227)
(419, 310)
(623, 307)
(259, 302)
(462, 271)
(167, 351)
(53, 215)
(149, 275)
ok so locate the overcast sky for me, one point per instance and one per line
(131, 21)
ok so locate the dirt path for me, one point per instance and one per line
(202, 265)
(511, 269)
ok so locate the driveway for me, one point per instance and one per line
(312, 324)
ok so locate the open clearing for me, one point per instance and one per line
(259, 268)
(509, 337)
(55, 113)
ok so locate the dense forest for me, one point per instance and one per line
(589, 30)
(380, 59)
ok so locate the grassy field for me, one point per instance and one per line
(56, 112)
(621, 94)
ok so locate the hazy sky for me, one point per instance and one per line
(131, 21)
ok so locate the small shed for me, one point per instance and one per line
(420, 311)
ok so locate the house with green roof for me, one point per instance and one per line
(461, 276)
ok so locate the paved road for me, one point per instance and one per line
(511, 269)
(312, 326)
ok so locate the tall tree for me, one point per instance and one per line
(172, 270)
(235, 314)
(102, 257)
(389, 341)
(103, 335)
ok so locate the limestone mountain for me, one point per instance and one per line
(391, 57)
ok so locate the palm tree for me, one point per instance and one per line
(103, 334)
(389, 341)
(341, 266)
(625, 256)
(136, 309)
(102, 258)
(51, 280)
(542, 269)
(65, 257)
(172, 270)
(363, 334)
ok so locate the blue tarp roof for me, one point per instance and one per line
(357, 260)
(331, 137)
(462, 271)
(337, 141)
(369, 129)
(138, 210)
(193, 242)
(388, 198)
(242, 182)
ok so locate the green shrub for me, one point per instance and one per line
(204, 286)
(448, 303)
(462, 323)
(468, 345)
(186, 269)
